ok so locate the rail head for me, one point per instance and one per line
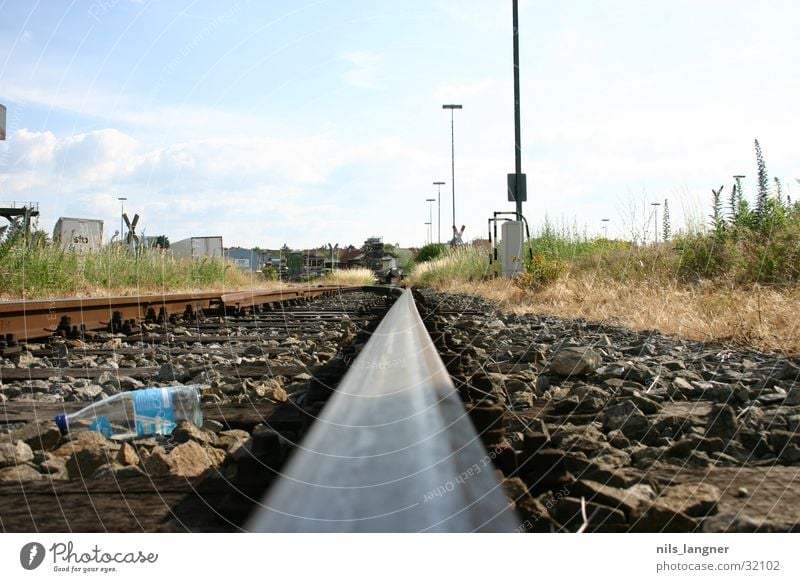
(392, 451)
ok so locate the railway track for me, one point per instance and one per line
(323, 413)
(267, 366)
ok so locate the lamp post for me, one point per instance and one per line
(428, 230)
(605, 227)
(655, 206)
(452, 107)
(439, 210)
(121, 214)
(430, 202)
(519, 190)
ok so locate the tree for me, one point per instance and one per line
(717, 220)
(161, 241)
(666, 220)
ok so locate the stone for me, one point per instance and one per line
(89, 392)
(14, 453)
(601, 518)
(170, 373)
(734, 523)
(39, 436)
(127, 455)
(626, 500)
(212, 425)
(232, 440)
(186, 431)
(270, 389)
(657, 517)
(722, 422)
(626, 417)
(575, 362)
(694, 500)
(186, 460)
(20, 473)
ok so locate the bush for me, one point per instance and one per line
(431, 252)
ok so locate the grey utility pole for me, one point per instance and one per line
(2, 122)
(439, 210)
(519, 190)
(121, 215)
(430, 202)
(655, 206)
(451, 107)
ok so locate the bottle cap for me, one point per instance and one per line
(61, 421)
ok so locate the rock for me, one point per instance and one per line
(575, 362)
(271, 389)
(734, 523)
(127, 383)
(171, 373)
(601, 518)
(14, 453)
(212, 425)
(722, 422)
(792, 396)
(39, 436)
(231, 440)
(127, 455)
(89, 392)
(109, 380)
(20, 473)
(85, 452)
(186, 460)
(54, 466)
(626, 500)
(694, 500)
(657, 517)
(626, 417)
(186, 431)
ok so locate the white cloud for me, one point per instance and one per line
(366, 70)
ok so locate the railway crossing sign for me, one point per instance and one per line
(132, 236)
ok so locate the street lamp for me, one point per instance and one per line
(428, 230)
(430, 202)
(605, 227)
(121, 214)
(439, 210)
(451, 107)
(655, 206)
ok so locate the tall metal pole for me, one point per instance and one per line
(121, 214)
(517, 132)
(451, 107)
(439, 209)
(430, 202)
(655, 206)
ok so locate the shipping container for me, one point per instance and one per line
(79, 235)
(197, 247)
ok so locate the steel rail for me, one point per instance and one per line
(392, 451)
(33, 319)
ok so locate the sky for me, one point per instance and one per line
(308, 122)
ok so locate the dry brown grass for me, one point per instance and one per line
(760, 317)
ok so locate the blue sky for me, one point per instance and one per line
(308, 122)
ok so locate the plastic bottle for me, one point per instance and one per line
(149, 411)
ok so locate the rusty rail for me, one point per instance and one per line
(28, 320)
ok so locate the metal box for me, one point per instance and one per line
(79, 235)
(197, 247)
(512, 247)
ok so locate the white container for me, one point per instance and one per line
(79, 235)
(197, 247)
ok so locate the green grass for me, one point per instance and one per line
(464, 263)
(39, 269)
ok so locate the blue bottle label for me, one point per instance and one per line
(101, 425)
(153, 412)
